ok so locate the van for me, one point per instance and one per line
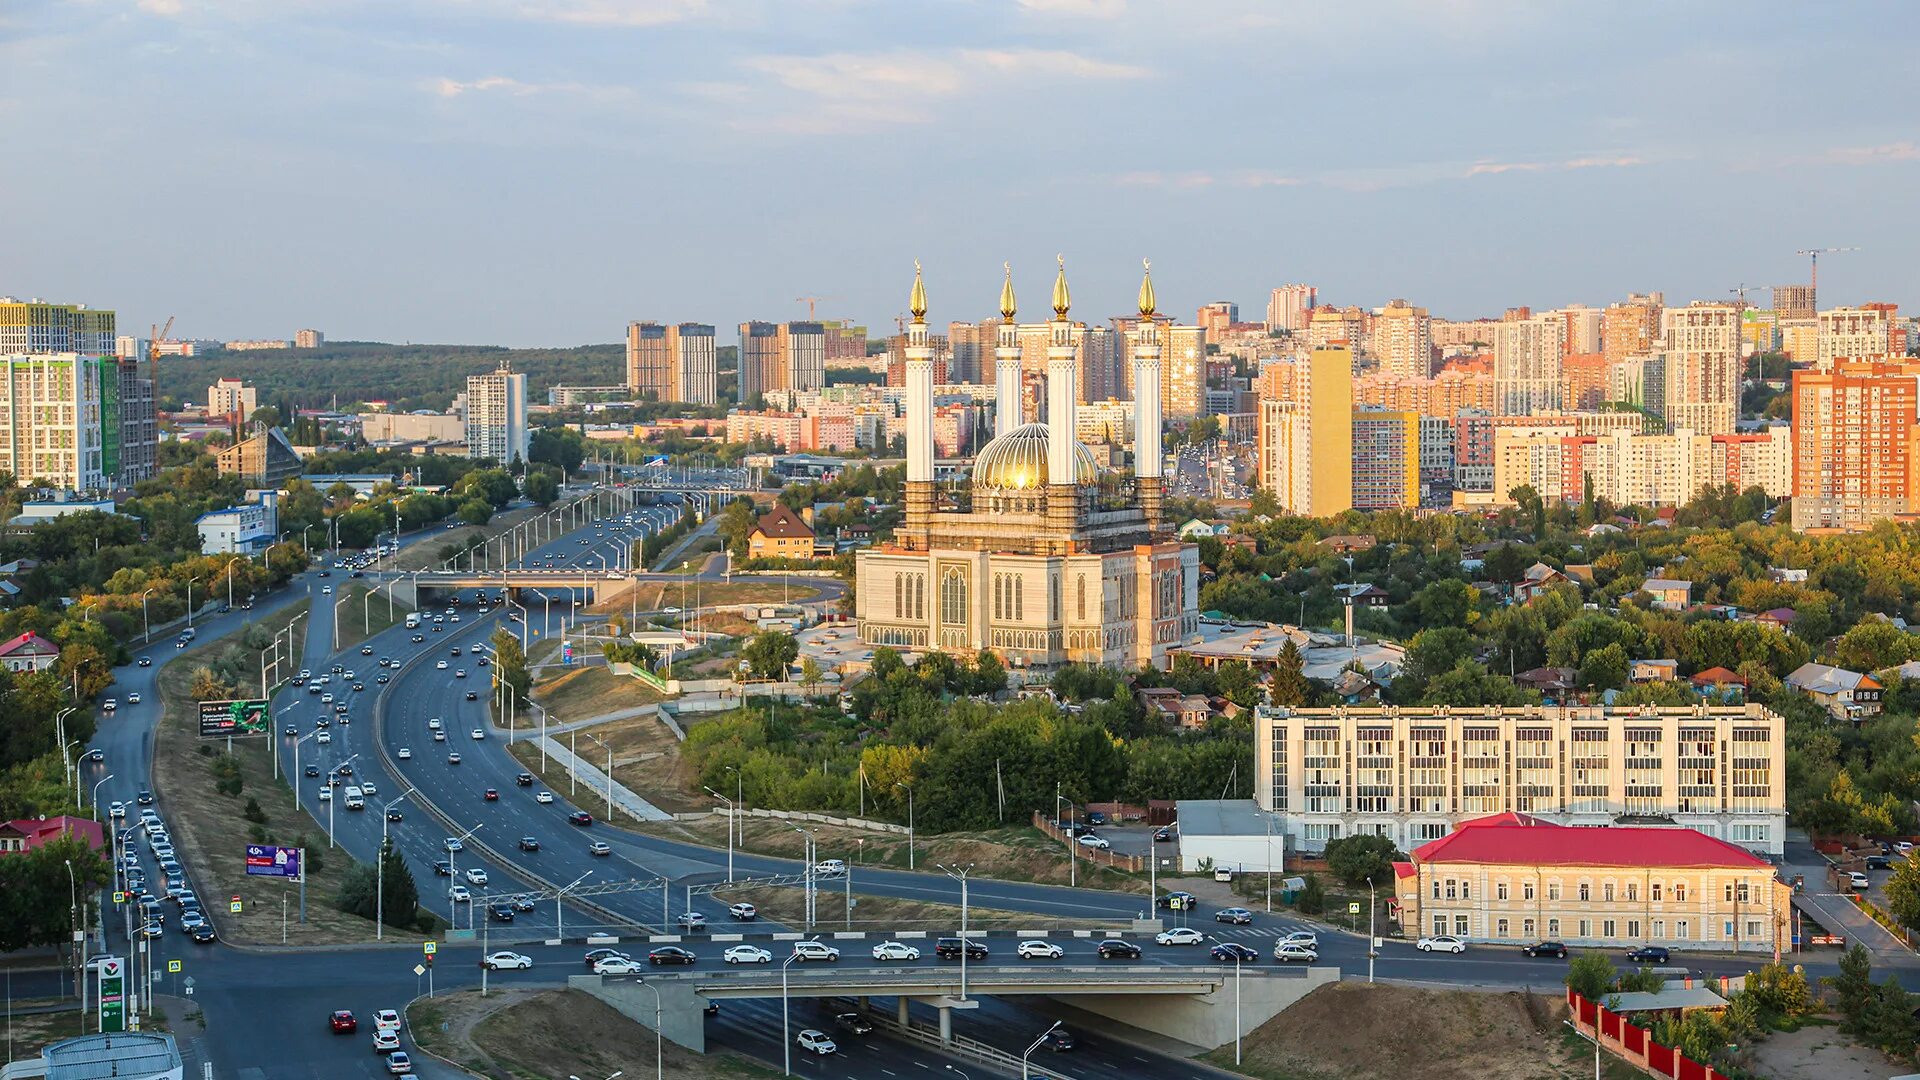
(413, 620)
(356, 799)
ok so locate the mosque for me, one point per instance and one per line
(1039, 555)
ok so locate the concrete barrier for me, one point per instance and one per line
(1209, 1020)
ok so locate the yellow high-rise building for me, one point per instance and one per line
(1306, 433)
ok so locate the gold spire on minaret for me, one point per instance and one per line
(1061, 300)
(1146, 290)
(917, 300)
(1007, 307)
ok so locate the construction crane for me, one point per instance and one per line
(810, 301)
(1814, 255)
(159, 335)
(1740, 290)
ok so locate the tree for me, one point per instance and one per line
(1289, 686)
(36, 897)
(1604, 668)
(769, 653)
(1903, 892)
(1852, 987)
(989, 675)
(1780, 991)
(476, 512)
(809, 674)
(206, 686)
(1505, 564)
(541, 486)
(1313, 896)
(510, 666)
(1358, 859)
(1591, 975)
(1888, 1022)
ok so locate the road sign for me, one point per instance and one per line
(233, 905)
(227, 719)
(418, 970)
(1353, 909)
(119, 897)
(266, 860)
(113, 994)
(173, 967)
(429, 947)
(188, 984)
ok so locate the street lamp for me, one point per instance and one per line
(961, 877)
(559, 909)
(909, 788)
(146, 622)
(190, 582)
(786, 1031)
(380, 871)
(454, 878)
(809, 854)
(96, 796)
(335, 771)
(729, 803)
(1031, 1049)
(1236, 998)
(961, 1075)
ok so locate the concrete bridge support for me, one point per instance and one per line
(1205, 1019)
(682, 1012)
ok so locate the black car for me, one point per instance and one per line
(203, 933)
(522, 903)
(366, 650)
(594, 956)
(528, 843)
(146, 661)
(948, 948)
(525, 779)
(393, 813)
(443, 868)
(1229, 951)
(1058, 1039)
(1117, 949)
(502, 913)
(1878, 862)
(853, 1023)
(1095, 817)
(311, 770)
(1163, 835)
(1649, 954)
(471, 696)
(670, 954)
(145, 798)
(1545, 948)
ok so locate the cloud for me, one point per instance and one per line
(1496, 168)
(629, 13)
(1241, 178)
(1872, 155)
(501, 84)
(1051, 61)
(167, 8)
(1095, 9)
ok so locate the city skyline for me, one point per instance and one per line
(490, 172)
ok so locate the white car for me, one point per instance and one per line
(747, 954)
(326, 794)
(133, 698)
(1092, 841)
(743, 911)
(1442, 943)
(894, 950)
(441, 666)
(617, 965)
(454, 844)
(476, 876)
(404, 754)
(323, 738)
(543, 797)
(479, 733)
(386, 1020)
(433, 724)
(507, 961)
(1306, 939)
(1179, 935)
(459, 894)
(814, 950)
(817, 1041)
(829, 868)
(1039, 950)
(1288, 953)
(118, 810)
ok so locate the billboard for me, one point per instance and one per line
(266, 860)
(113, 994)
(226, 719)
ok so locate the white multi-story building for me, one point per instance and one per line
(229, 396)
(1701, 351)
(1413, 774)
(56, 419)
(1290, 307)
(497, 416)
(1527, 355)
(308, 339)
(1852, 334)
(1402, 340)
(247, 529)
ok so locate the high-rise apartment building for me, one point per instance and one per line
(1289, 307)
(131, 436)
(1628, 329)
(308, 339)
(672, 363)
(59, 419)
(1585, 381)
(1102, 360)
(1386, 460)
(1583, 328)
(36, 326)
(781, 356)
(1183, 352)
(1793, 301)
(1306, 432)
(843, 340)
(1527, 355)
(1218, 317)
(1402, 341)
(1701, 347)
(231, 397)
(1634, 468)
(1855, 454)
(1338, 328)
(970, 351)
(497, 416)
(1856, 333)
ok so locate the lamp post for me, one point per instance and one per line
(231, 563)
(786, 1032)
(609, 751)
(909, 788)
(730, 805)
(146, 623)
(810, 854)
(961, 877)
(659, 1053)
(455, 880)
(335, 771)
(380, 871)
(190, 582)
(1035, 1046)
(957, 1072)
(559, 908)
(96, 796)
(1236, 998)
(1372, 941)
(294, 780)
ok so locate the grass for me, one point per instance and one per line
(1010, 854)
(211, 833)
(788, 906)
(527, 1034)
(353, 609)
(654, 595)
(586, 692)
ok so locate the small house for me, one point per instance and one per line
(1845, 694)
(1644, 671)
(1668, 594)
(29, 652)
(780, 534)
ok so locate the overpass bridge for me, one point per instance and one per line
(1203, 1005)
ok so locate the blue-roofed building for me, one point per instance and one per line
(247, 529)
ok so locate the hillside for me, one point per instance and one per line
(408, 376)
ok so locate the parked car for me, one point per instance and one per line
(1649, 954)
(1545, 948)
(1441, 943)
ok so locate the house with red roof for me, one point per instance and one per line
(26, 834)
(29, 652)
(1514, 879)
(781, 534)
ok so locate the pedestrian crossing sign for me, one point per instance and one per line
(429, 947)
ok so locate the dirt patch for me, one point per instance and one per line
(582, 693)
(1014, 854)
(362, 618)
(212, 833)
(654, 595)
(788, 906)
(527, 1034)
(1353, 1031)
(1816, 1053)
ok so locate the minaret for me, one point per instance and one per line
(919, 416)
(1063, 498)
(1006, 361)
(1147, 451)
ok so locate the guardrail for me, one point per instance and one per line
(960, 1046)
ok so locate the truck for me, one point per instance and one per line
(356, 799)
(413, 620)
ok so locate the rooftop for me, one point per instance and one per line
(1220, 817)
(1520, 840)
(118, 1054)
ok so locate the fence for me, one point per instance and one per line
(1135, 864)
(801, 815)
(1633, 1043)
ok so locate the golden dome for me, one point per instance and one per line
(1017, 461)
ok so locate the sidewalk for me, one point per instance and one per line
(595, 780)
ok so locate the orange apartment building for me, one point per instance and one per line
(1855, 459)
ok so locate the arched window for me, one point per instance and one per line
(1080, 591)
(899, 596)
(953, 597)
(1019, 598)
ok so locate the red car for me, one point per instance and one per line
(343, 1022)
(580, 817)
(493, 795)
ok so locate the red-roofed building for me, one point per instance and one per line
(29, 652)
(1513, 878)
(780, 535)
(25, 834)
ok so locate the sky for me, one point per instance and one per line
(540, 172)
